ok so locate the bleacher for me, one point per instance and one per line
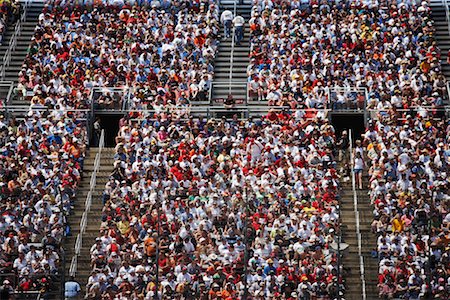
(228, 174)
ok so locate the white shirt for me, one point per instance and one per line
(359, 164)
(226, 16)
(238, 21)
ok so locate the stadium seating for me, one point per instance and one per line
(9, 13)
(300, 55)
(408, 187)
(191, 188)
(41, 161)
(218, 208)
(165, 57)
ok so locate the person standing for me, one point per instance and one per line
(238, 23)
(71, 289)
(358, 168)
(203, 87)
(343, 145)
(226, 19)
(97, 131)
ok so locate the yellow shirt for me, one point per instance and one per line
(123, 226)
(397, 225)
(309, 210)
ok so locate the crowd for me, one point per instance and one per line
(214, 209)
(41, 159)
(163, 54)
(407, 162)
(303, 53)
(9, 13)
(202, 194)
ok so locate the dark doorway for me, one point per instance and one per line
(355, 122)
(110, 123)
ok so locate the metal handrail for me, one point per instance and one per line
(230, 76)
(203, 109)
(223, 84)
(357, 220)
(88, 203)
(447, 14)
(10, 92)
(125, 97)
(13, 40)
(448, 86)
(348, 89)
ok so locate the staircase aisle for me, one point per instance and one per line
(240, 61)
(351, 260)
(9, 31)
(23, 41)
(442, 34)
(94, 220)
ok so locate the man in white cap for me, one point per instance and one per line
(238, 23)
(226, 18)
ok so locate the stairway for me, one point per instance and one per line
(442, 33)
(240, 62)
(9, 31)
(93, 224)
(23, 41)
(351, 260)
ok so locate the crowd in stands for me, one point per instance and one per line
(407, 158)
(9, 13)
(301, 52)
(41, 159)
(162, 53)
(212, 209)
(203, 193)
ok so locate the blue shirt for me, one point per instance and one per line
(72, 289)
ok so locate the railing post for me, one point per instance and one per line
(366, 98)
(357, 220)
(83, 223)
(210, 92)
(232, 51)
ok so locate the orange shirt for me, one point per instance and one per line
(199, 41)
(150, 246)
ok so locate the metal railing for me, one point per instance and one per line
(354, 98)
(209, 111)
(229, 85)
(448, 82)
(230, 72)
(110, 98)
(29, 295)
(13, 40)
(6, 90)
(84, 219)
(447, 14)
(357, 221)
(230, 76)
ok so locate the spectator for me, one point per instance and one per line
(41, 158)
(239, 23)
(358, 169)
(72, 289)
(172, 53)
(202, 192)
(9, 13)
(227, 19)
(409, 190)
(343, 145)
(300, 57)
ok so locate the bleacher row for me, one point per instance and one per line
(207, 196)
(298, 52)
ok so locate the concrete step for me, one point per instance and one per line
(351, 258)
(223, 76)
